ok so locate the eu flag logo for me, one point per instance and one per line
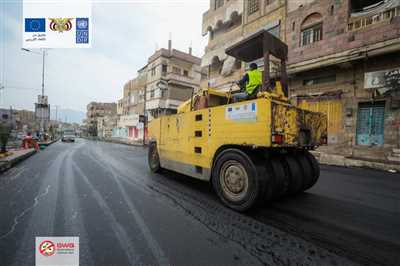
(35, 25)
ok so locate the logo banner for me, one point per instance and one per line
(56, 24)
(60, 251)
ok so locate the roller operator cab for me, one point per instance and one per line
(252, 151)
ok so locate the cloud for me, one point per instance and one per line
(125, 34)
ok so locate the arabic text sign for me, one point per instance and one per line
(58, 24)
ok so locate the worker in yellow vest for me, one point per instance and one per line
(250, 84)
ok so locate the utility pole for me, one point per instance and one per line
(57, 112)
(43, 61)
(43, 107)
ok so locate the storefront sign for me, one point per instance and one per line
(384, 80)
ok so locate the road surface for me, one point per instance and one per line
(124, 215)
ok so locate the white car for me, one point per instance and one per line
(68, 136)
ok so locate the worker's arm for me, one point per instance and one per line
(243, 81)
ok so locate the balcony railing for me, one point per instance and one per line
(377, 18)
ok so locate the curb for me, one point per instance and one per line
(339, 160)
(6, 165)
(47, 143)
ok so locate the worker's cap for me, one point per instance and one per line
(253, 66)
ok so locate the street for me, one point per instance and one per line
(125, 215)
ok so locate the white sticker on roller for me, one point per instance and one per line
(242, 113)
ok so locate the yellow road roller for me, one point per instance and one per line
(252, 151)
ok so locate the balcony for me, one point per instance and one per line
(214, 19)
(180, 78)
(221, 38)
(364, 20)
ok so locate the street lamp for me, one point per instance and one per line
(43, 63)
(41, 103)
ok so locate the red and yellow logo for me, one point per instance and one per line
(47, 248)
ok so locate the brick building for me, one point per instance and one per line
(344, 60)
(97, 110)
(172, 77)
(168, 79)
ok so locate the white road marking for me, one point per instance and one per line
(17, 218)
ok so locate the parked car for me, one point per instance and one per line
(68, 136)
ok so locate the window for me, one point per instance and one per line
(164, 69)
(218, 3)
(185, 73)
(211, 35)
(252, 6)
(151, 94)
(319, 80)
(153, 71)
(176, 70)
(163, 93)
(311, 35)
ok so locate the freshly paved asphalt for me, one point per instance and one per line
(124, 215)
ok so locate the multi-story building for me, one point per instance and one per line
(106, 125)
(172, 77)
(26, 120)
(227, 22)
(168, 79)
(97, 110)
(8, 117)
(344, 60)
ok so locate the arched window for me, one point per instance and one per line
(311, 29)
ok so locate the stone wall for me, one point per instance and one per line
(337, 37)
(350, 82)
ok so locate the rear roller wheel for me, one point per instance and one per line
(295, 174)
(280, 179)
(307, 170)
(314, 167)
(153, 158)
(238, 181)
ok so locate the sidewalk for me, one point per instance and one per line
(339, 160)
(16, 157)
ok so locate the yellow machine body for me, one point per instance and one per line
(189, 141)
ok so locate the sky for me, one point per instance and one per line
(125, 34)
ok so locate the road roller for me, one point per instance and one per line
(253, 151)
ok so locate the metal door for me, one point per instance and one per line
(370, 124)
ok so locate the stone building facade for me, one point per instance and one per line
(172, 77)
(168, 79)
(344, 60)
(97, 110)
(227, 22)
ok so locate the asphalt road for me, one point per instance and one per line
(124, 215)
